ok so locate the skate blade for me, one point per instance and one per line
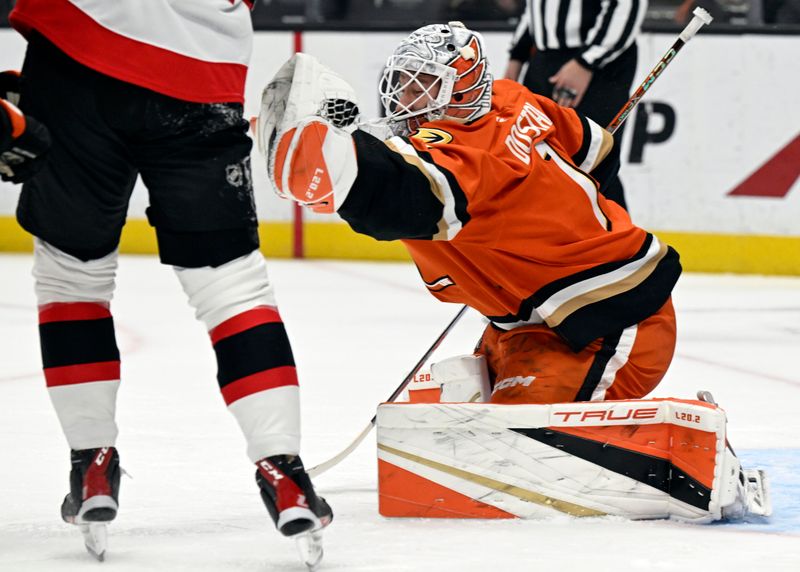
(309, 546)
(95, 537)
(759, 502)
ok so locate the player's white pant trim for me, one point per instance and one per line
(621, 355)
(220, 293)
(86, 412)
(296, 513)
(270, 422)
(98, 501)
(61, 277)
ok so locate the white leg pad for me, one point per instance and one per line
(64, 278)
(533, 461)
(463, 379)
(220, 293)
(270, 422)
(86, 412)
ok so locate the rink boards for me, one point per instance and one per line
(709, 164)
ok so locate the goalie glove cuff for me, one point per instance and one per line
(314, 164)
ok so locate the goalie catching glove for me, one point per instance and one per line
(303, 131)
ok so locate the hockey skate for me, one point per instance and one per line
(92, 501)
(747, 490)
(295, 508)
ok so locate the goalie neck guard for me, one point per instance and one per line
(439, 72)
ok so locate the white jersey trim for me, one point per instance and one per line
(218, 32)
(583, 291)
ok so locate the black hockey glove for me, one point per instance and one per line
(24, 143)
(10, 86)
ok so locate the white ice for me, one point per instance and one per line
(357, 328)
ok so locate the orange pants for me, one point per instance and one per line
(532, 364)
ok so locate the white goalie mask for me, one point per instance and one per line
(439, 72)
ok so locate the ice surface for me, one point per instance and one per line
(357, 328)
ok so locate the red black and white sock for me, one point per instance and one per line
(256, 369)
(82, 370)
(258, 380)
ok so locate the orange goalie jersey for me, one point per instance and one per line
(501, 214)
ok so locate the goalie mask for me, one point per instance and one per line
(438, 72)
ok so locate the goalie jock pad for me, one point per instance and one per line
(640, 459)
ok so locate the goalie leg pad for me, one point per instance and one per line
(639, 459)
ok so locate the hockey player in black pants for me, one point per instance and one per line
(156, 94)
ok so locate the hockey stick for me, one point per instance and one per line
(701, 18)
(322, 467)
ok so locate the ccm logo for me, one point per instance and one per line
(610, 414)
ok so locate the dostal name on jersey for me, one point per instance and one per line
(529, 125)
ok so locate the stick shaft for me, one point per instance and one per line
(425, 356)
(700, 19)
(335, 460)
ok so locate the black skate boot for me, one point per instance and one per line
(93, 487)
(289, 496)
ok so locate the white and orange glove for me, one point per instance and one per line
(303, 132)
